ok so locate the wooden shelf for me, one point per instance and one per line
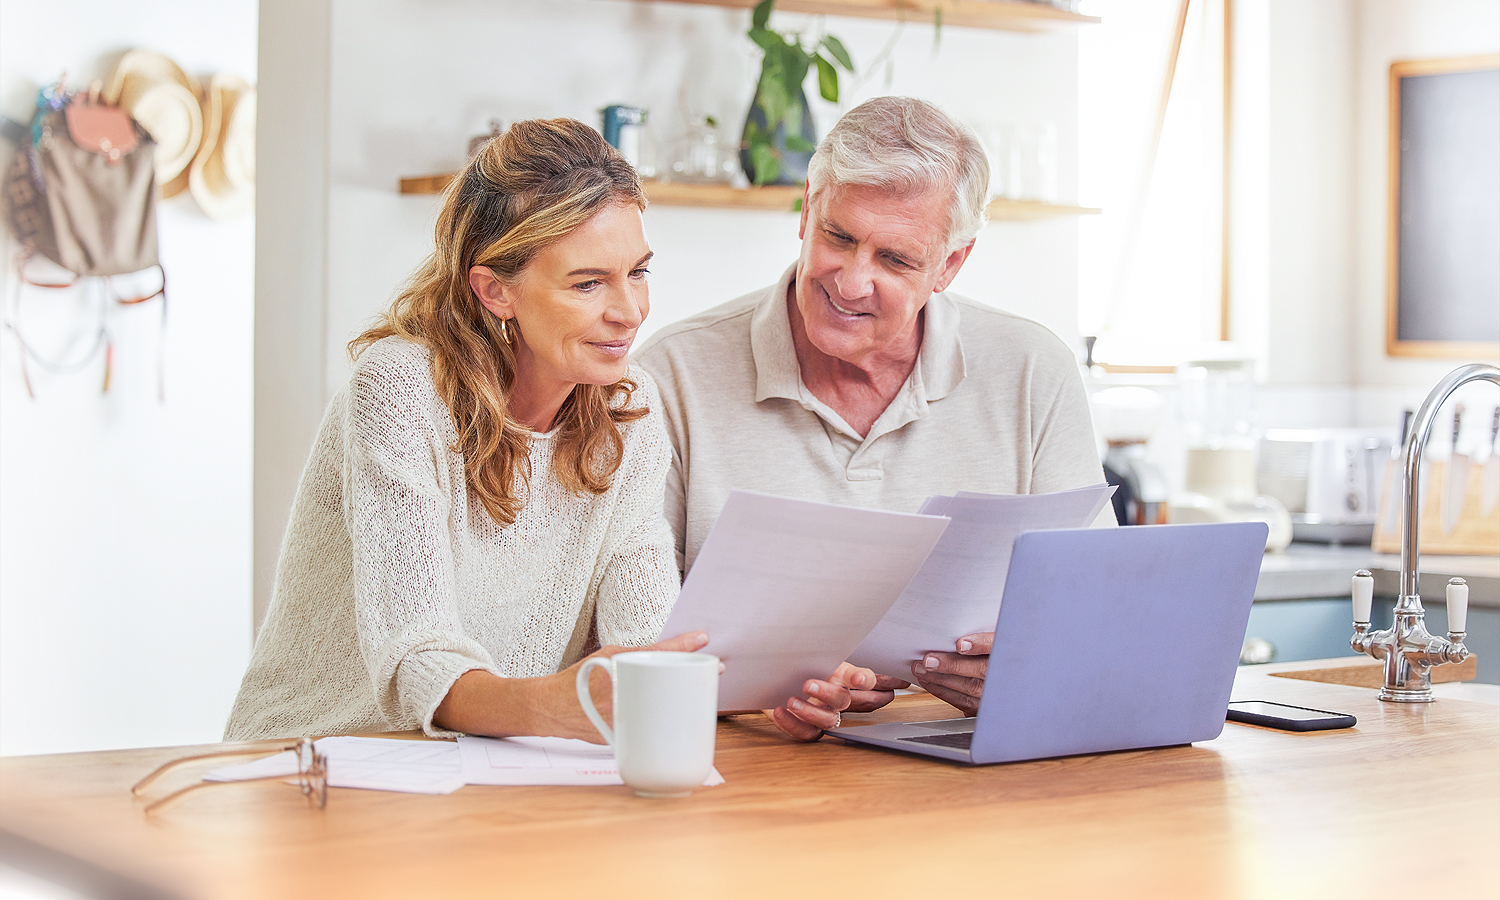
(995, 14)
(775, 198)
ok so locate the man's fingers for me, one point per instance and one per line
(965, 702)
(887, 683)
(868, 701)
(951, 664)
(973, 687)
(976, 644)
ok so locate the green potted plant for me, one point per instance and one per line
(778, 138)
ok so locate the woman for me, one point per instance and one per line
(482, 506)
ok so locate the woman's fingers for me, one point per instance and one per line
(867, 690)
(794, 727)
(805, 718)
(829, 696)
(689, 642)
(887, 683)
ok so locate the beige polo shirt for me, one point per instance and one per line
(994, 404)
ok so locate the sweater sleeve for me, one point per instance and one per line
(397, 505)
(641, 579)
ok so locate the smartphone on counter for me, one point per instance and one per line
(1287, 718)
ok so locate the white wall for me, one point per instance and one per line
(1312, 152)
(124, 522)
(1391, 30)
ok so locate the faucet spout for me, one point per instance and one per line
(1416, 443)
(1407, 650)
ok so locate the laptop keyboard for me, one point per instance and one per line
(958, 740)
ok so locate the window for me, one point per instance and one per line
(1152, 108)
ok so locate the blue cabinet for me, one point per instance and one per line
(1320, 628)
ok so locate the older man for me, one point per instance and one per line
(858, 379)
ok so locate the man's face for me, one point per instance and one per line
(869, 262)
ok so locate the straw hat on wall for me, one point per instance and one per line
(164, 100)
(222, 176)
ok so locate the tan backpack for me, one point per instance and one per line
(81, 192)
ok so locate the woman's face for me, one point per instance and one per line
(575, 309)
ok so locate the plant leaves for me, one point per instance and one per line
(799, 144)
(792, 120)
(828, 79)
(766, 163)
(773, 99)
(795, 62)
(937, 29)
(837, 51)
(762, 14)
(769, 41)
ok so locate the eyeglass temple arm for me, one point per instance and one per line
(154, 805)
(168, 766)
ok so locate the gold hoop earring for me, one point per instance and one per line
(505, 334)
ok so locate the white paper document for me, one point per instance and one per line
(377, 764)
(542, 760)
(786, 589)
(958, 589)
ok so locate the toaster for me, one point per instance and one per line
(1329, 479)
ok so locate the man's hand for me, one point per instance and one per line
(957, 678)
(848, 689)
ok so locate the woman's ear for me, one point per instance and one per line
(490, 291)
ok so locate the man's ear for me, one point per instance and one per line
(951, 265)
(491, 292)
(802, 224)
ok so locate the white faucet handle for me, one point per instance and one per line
(1363, 589)
(1458, 606)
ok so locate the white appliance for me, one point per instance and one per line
(1329, 479)
(1216, 400)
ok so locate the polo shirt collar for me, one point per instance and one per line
(940, 362)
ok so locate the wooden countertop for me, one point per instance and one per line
(1255, 813)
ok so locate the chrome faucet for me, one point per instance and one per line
(1407, 649)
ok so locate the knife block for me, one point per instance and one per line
(1474, 534)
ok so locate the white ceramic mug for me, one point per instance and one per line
(666, 712)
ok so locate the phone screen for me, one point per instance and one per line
(1279, 711)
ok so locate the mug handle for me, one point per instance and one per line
(586, 700)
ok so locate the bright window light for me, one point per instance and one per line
(1150, 270)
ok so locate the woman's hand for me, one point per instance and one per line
(482, 703)
(957, 678)
(848, 689)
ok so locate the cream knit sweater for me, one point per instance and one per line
(393, 581)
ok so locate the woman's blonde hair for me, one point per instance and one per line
(520, 193)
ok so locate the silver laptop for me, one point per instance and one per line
(1107, 639)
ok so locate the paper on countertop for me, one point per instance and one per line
(377, 764)
(958, 589)
(543, 760)
(786, 589)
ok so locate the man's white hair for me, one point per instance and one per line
(908, 146)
